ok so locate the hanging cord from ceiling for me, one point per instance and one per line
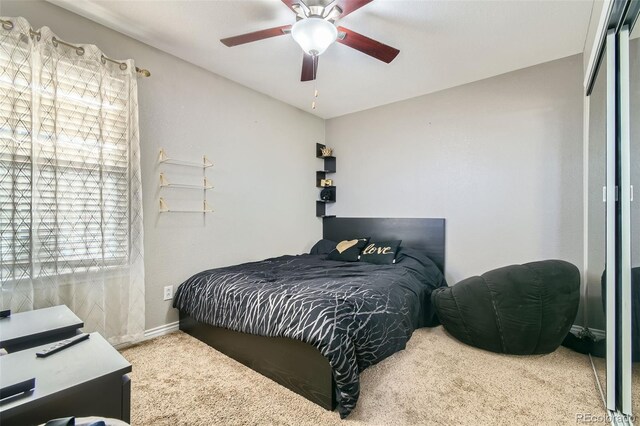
(315, 80)
(8, 25)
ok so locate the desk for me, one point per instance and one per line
(87, 379)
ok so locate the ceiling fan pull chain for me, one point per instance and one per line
(315, 95)
(315, 81)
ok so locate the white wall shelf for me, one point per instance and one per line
(167, 184)
(164, 183)
(164, 159)
(164, 208)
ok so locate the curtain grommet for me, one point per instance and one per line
(79, 51)
(35, 35)
(7, 25)
(123, 66)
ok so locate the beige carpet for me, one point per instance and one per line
(436, 380)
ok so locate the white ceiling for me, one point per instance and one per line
(442, 44)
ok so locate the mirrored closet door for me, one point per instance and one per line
(613, 216)
(634, 215)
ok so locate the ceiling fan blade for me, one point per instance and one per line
(309, 68)
(349, 6)
(255, 36)
(368, 45)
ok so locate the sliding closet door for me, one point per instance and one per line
(610, 278)
(616, 88)
(632, 289)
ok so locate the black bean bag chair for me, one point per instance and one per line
(519, 309)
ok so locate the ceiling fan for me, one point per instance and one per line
(315, 30)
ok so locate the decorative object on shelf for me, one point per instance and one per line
(166, 183)
(326, 151)
(328, 192)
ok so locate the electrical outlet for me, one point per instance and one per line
(168, 292)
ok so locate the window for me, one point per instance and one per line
(64, 165)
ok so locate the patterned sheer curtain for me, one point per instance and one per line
(70, 189)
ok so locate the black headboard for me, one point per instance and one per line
(424, 234)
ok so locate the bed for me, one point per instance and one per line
(313, 324)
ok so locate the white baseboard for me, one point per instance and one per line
(599, 334)
(151, 333)
(161, 330)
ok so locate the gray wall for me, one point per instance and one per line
(263, 152)
(500, 159)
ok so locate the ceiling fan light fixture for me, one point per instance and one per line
(314, 35)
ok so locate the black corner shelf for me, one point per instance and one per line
(329, 166)
(321, 209)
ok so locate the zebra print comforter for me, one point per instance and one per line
(355, 313)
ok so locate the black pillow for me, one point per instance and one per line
(323, 247)
(381, 252)
(348, 250)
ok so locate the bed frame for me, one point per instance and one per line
(299, 366)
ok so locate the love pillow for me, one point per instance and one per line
(380, 252)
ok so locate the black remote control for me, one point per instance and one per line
(62, 344)
(5, 314)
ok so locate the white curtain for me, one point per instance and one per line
(70, 188)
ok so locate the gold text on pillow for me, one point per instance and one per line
(372, 249)
(345, 245)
